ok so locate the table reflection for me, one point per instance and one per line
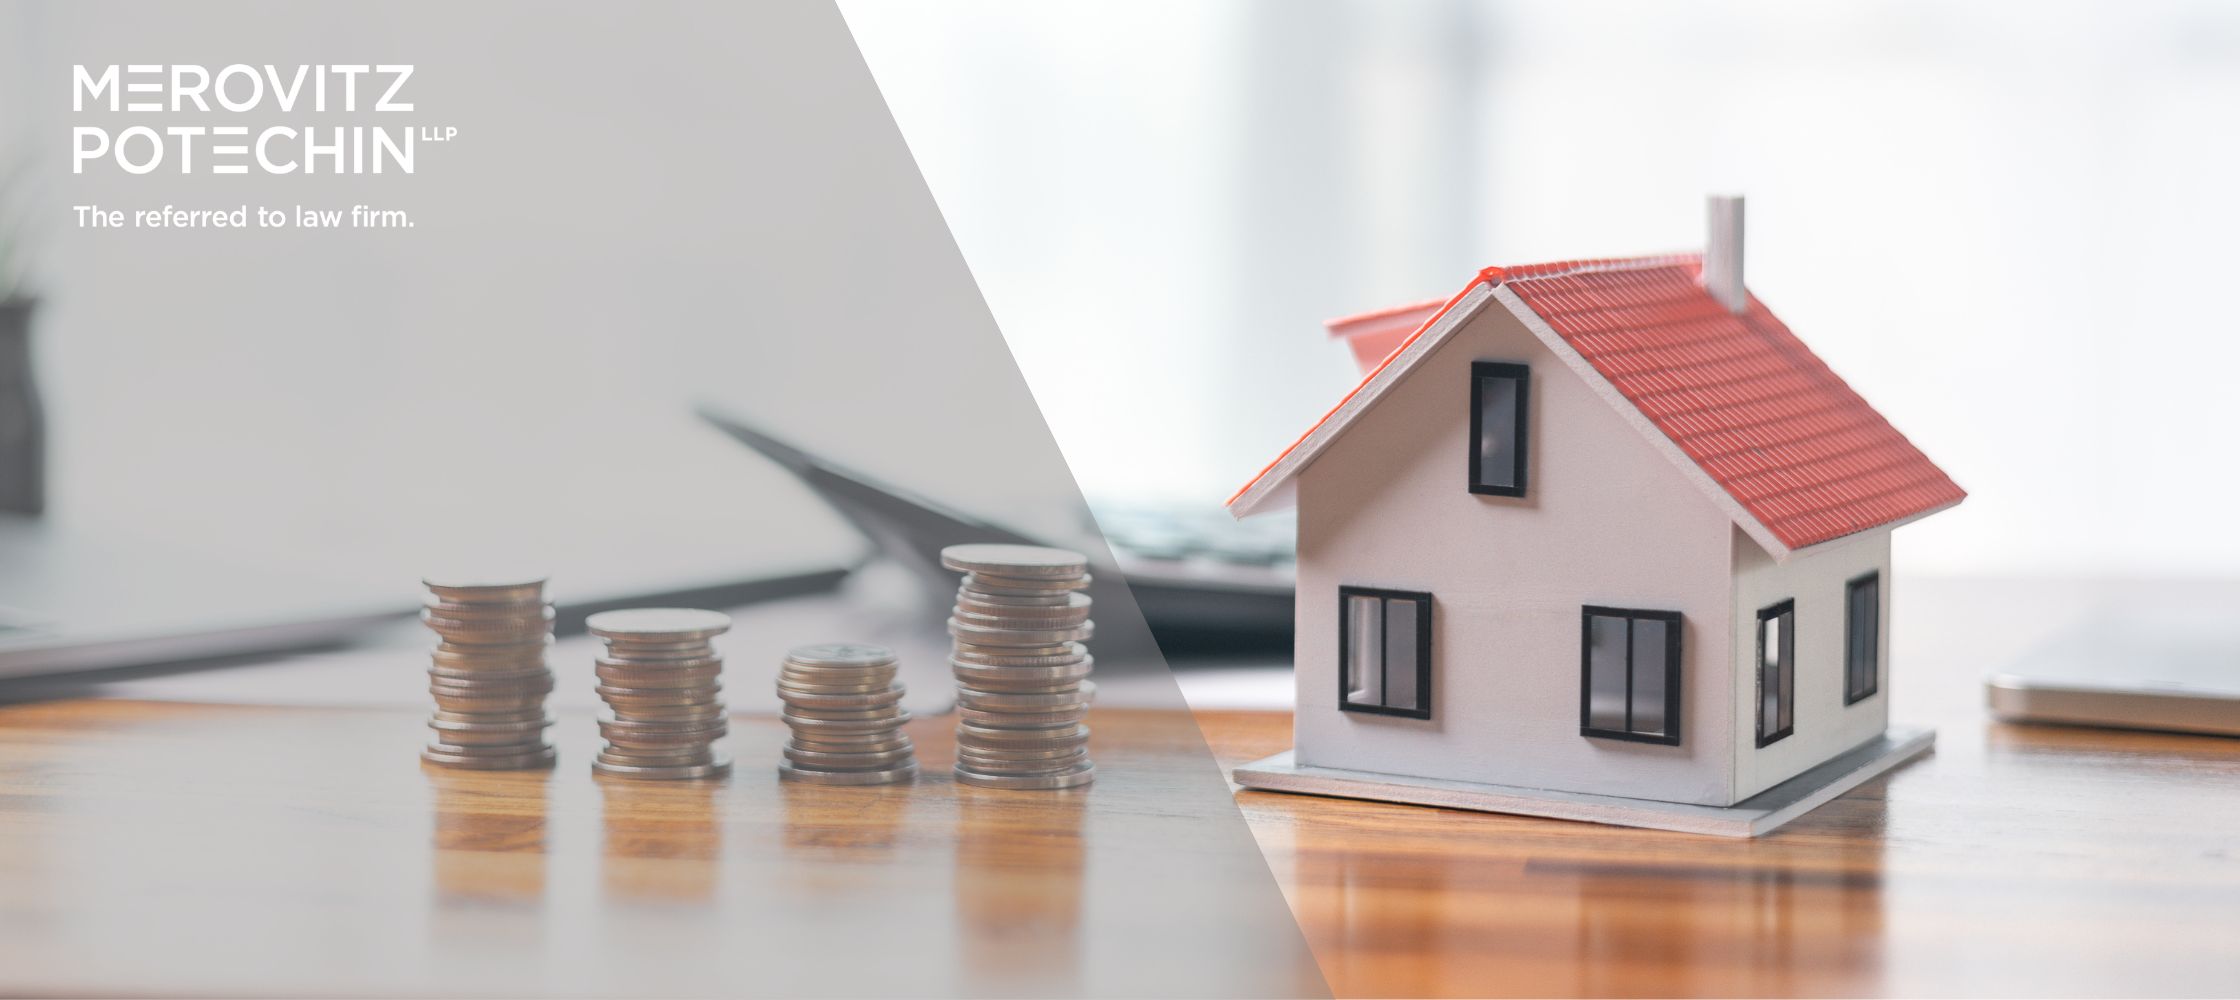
(489, 833)
(663, 839)
(1020, 859)
(843, 823)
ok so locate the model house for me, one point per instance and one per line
(1600, 540)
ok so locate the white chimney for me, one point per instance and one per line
(1722, 253)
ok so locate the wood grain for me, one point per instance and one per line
(201, 849)
(2015, 860)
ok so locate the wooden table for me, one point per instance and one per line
(2016, 860)
(188, 848)
(206, 849)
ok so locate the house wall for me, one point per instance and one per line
(1822, 725)
(1609, 521)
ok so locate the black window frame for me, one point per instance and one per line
(1522, 374)
(1423, 651)
(1672, 674)
(1788, 672)
(1853, 638)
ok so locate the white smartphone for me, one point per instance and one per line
(2170, 671)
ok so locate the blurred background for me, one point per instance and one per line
(2008, 225)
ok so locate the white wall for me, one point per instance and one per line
(1822, 725)
(1608, 521)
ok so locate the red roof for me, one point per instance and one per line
(1740, 395)
(1753, 406)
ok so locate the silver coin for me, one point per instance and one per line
(1056, 656)
(667, 713)
(640, 742)
(491, 645)
(826, 685)
(657, 654)
(455, 610)
(1003, 586)
(701, 732)
(824, 726)
(1016, 679)
(480, 724)
(637, 710)
(498, 676)
(874, 699)
(838, 675)
(1070, 606)
(682, 756)
(1018, 624)
(878, 713)
(1021, 720)
(489, 687)
(1043, 782)
(657, 697)
(494, 650)
(1055, 699)
(846, 761)
(719, 767)
(788, 772)
(820, 697)
(1025, 684)
(983, 765)
(840, 654)
(519, 657)
(1047, 736)
(523, 762)
(470, 689)
(850, 743)
(537, 621)
(904, 749)
(1073, 620)
(490, 637)
(488, 737)
(1014, 560)
(491, 680)
(672, 624)
(789, 682)
(657, 687)
(1020, 754)
(662, 726)
(536, 714)
(531, 703)
(518, 747)
(660, 665)
(891, 711)
(466, 589)
(637, 679)
(836, 742)
(1052, 599)
(1001, 582)
(840, 664)
(486, 612)
(1012, 637)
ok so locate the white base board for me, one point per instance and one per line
(1756, 816)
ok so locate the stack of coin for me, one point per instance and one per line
(845, 708)
(1022, 672)
(488, 676)
(660, 678)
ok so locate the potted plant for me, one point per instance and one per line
(23, 431)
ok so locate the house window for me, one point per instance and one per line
(1777, 671)
(1629, 675)
(1384, 652)
(1862, 638)
(1497, 428)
